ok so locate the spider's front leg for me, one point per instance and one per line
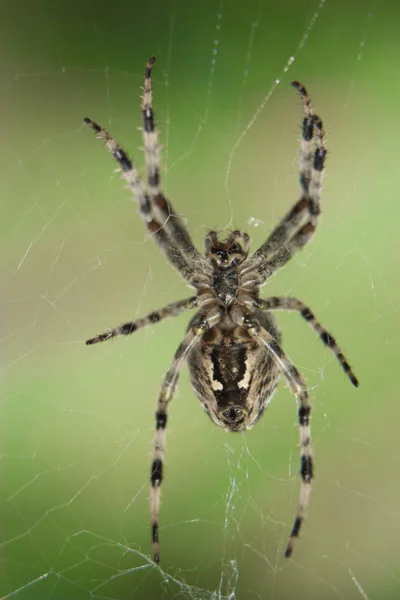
(163, 223)
(289, 237)
(298, 387)
(146, 208)
(165, 214)
(192, 337)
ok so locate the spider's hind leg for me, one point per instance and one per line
(200, 324)
(298, 387)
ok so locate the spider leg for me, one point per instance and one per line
(287, 235)
(170, 310)
(303, 236)
(163, 209)
(131, 176)
(311, 167)
(299, 389)
(306, 146)
(192, 337)
(284, 231)
(287, 303)
(256, 270)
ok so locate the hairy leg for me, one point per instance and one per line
(192, 337)
(287, 303)
(155, 228)
(286, 239)
(170, 310)
(162, 208)
(299, 389)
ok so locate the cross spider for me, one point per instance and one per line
(233, 343)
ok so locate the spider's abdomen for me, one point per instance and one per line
(233, 377)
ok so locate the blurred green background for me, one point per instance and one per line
(77, 422)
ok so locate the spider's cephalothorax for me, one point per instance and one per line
(225, 258)
(232, 344)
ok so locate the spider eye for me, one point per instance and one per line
(222, 255)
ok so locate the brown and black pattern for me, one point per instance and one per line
(170, 310)
(298, 227)
(233, 344)
(288, 303)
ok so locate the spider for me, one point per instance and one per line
(232, 344)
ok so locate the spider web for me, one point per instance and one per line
(78, 422)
